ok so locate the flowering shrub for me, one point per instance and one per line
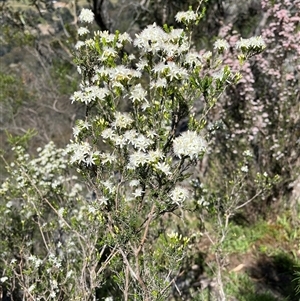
(125, 240)
(37, 242)
(259, 113)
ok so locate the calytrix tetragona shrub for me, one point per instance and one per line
(134, 150)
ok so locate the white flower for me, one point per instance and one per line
(108, 52)
(164, 167)
(122, 120)
(32, 258)
(141, 64)
(82, 31)
(160, 67)
(77, 96)
(160, 83)
(189, 144)
(130, 135)
(80, 152)
(84, 124)
(221, 45)
(138, 192)
(141, 142)
(121, 73)
(89, 160)
(76, 131)
(38, 262)
(243, 43)
(91, 209)
(61, 211)
(145, 106)
(207, 55)
(3, 279)
(13, 261)
(247, 153)
(138, 93)
(10, 203)
(54, 283)
(179, 195)
(244, 168)
(131, 57)
(186, 17)
(136, 159)
(89, 43)
(109, 186)
(151, 134)
(254, 43)
(90, 94)
(119, 141)
(176, 34)
(151, 39)
(176, 72)
(170, 50)
(124, 37)
(79, 44)
(106, 36)
(103, 201)
(108, 133)
(86, 15)
(108, 158)
(257, 43)
(155, 155)
(193, 59)
(102, 71)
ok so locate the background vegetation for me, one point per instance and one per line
(246, 227)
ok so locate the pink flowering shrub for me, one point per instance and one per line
(261, 113)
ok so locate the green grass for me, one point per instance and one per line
(242, 287)
(240, 238)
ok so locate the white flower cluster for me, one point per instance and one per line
(36, 262)
(189, 144)
(89, 94)
(166, 72)
(122, 120)
(47, 171)
(80, 126)
(86, 16)
(128, 138)
(82, 153)
(82, 31)
(139, 158)
(138, 94)
(154, 39)
(221, 45)
(3, 279)
(186, 17)
(179, 195)
(253, 44)
(164, 168)
(170, 70)
(117, 74)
